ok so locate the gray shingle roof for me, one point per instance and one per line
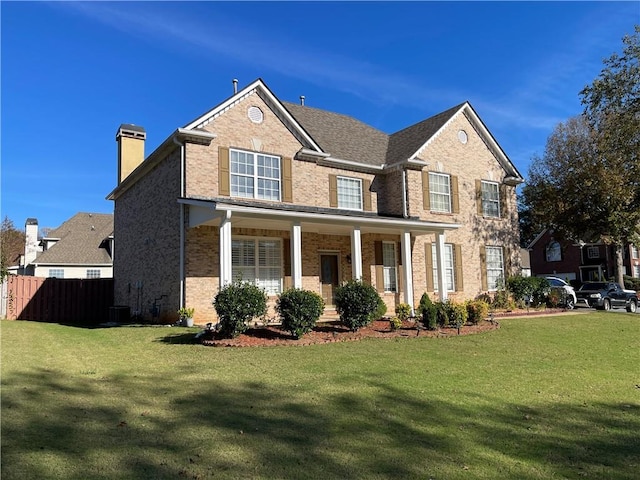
(346, 138)
(80, 241)
(342, 136)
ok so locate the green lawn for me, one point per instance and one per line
(540, 398)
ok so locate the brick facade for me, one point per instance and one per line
(147, 221)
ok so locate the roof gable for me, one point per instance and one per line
(80, 240)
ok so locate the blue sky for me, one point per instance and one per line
(73, 72)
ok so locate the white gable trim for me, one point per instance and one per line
(467, 110)
(258, 87)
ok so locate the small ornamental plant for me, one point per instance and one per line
(428, 312)
(299, 310)
(477, 311)
(395, 323)
(186, 312)
(403, 310)
(237, 304)
(357, 304)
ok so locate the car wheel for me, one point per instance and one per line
(632, 307)
(606, 305)
(570, 304)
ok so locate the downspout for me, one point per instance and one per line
(182, 207)
(405, 212)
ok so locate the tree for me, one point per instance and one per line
(11, 245)
(586, 186)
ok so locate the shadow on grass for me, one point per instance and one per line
(130, 427)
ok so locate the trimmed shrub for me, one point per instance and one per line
(357, 303)
(477, 311)
(380, 310)
(299, 310)
(503, 300)
(442, 314)
(457, 313)
(237, 304)
(395, 323)
(403, 311)
(427, 311)
(631, 283)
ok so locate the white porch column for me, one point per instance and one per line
(296, 255)
(442, 284)
(225, 250)
(405, 245)
(356, 253)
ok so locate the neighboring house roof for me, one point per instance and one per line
(80, 241)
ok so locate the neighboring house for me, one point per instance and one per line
(291, 196)
(525, 263)
(579, 262)
(81, 247)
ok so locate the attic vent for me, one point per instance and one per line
(462, 136)
(255, 114)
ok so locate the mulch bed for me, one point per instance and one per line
(330, 332)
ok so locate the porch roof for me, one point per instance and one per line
(247, 214)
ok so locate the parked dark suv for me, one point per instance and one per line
(605, 296)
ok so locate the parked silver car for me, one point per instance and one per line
(567, 292)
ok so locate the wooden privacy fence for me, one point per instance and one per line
(59, 300)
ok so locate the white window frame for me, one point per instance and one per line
(390, 269)
(490, 206)
(56, 273)
(495, 271)
(634, 252)
(636, 271)
(593, 252)
(449, 267)
(440, 201)
(254, 270)
(349, 188)
(93, 273)
(246, 175)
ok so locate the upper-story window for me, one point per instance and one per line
(593, 252)
(490, 199)
(553, 251)
(634, 251)
(440, 192)
(255, 175)
(349, 193)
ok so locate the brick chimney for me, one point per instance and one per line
(130, 140)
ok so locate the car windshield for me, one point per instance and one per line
(594, 286)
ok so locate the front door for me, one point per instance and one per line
(328, 276)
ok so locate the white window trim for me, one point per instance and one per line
(447, 246)
(51, 270)
(350, 179)
(488, 200)
(432, 193)
(256, 266)
(494, 287)
(255, 175)
(634, 252)
(390, 269)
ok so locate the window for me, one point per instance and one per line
(258, 260)
(593, 252)
(636, 271)
(449, 269)
(255, 175)
(495, 267)
(56, 273)
(93, 273)
(440, 192)
(349, 193)
(554, 252)
(389, 266)
(490, 199)
(634, 251)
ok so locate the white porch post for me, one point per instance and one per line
(225, 250)
(356, 253)
(442, 284)
(296, 255)
(405, 246)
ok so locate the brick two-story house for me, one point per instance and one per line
(291, 196)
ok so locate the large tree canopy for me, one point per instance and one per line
(586, 186)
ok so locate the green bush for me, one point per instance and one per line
(403, 311)
(457, 313)
(503, 300)
(442, 314)
(477, 311)
(395, 323)
(427, 311)
(237, 304)
(380, 310)
(357, 303)
(631, 283)
(299, 310)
